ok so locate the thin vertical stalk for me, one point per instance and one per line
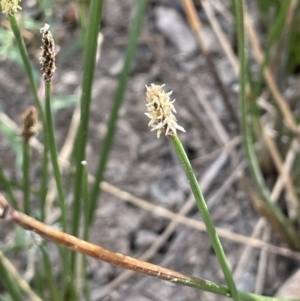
(108, 140)
(54, 291)
(7, 187)
(54, 159)
(44, 184)
(26, 181)
(211, 230)
(285, 223)
(86, 201)
(81, 272)
(92, 31)
(53, 152)
(39, 284)
(10, 283)
(68, 286)
(86, 289)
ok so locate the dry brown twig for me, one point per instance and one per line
(262, 265)
(292, 199)
(84, 247)
(179, 218)
(221, 36)
(259, 57)
(196, 26)
(276, 191)
(263, 209)
(216, 124)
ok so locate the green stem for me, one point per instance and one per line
(68, 288)
(92, 32)
(222, 290)
(285, 223)
(86, 288)
(10, 283)
(108, 140)
(81, 273)
(53, 152)
(205, 215)
(57, 176)
(54, 291)
(8, 189)
(68, 284)
(44, 183)
(86, 202)
(26, 181)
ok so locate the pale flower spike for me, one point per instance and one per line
(10, 6)
(160, 111)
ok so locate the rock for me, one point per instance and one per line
(145, 238)
(291, 288)
(175, 29)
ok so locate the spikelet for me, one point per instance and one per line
(160, 111)
(10, 6)
(30, 123)
(47, 58)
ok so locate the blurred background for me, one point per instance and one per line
(195, 64)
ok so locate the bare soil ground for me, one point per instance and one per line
(147, 167)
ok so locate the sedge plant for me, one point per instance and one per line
(160, 110)
(47, 60)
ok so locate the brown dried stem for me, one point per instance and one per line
(196, 26)
(78, 245)
(259, 57)
(292, 199)
(136, 265)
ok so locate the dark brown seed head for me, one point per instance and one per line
(47, 58)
